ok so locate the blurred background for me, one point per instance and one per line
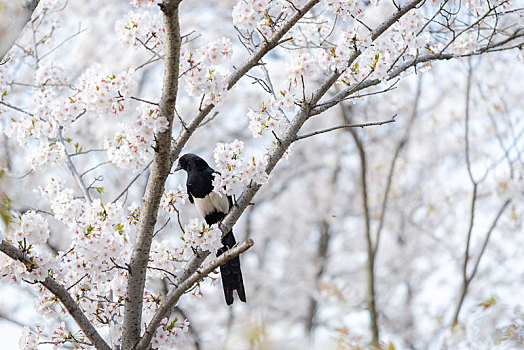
(382, 214)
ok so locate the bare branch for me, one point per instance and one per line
(400, 146)
(345, 126)
(370, 247)
(467, 278)
(16, 108)
(487, 237)
(72, 167)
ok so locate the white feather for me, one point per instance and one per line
(211, 203)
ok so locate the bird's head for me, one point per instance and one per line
(191, 162)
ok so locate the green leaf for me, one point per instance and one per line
(487, 303)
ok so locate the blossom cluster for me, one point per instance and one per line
(50, 73)
(46, 153)
(257, 16)
(479, 7)
(102, 91)
(65, 206)
(143, 3)
(94, 267)
(377, 57)
(171, 198)
(30, 228)
(164, 256)
(200, 69)
(316, 30)
(345, 9)
(235, 172)
(131, 147)
(96, 91)
(142, 28)
(5, 81)
(170, 334)
(200, 235)
(271, 116)
(300, 68)
(247, 14)
(36, 125)
(29, 339)
(467, 42)
(29, 232)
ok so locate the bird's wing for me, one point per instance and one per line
(190, 197)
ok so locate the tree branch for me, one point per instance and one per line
(72, 167)
(61, 293)
(344, 126)
(399, 148)
(370, 246)
(155, 184)
(252, 61)
(402, 68)
(292, 129)
(17, 28)
(174, 295)
(466, 279)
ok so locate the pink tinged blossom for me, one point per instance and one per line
(5, 81)
(46, 153)
(236, 170)
(142, 27)
(50, 73)
(131, 148)
(30, 227)
(29, 340)
(143, 3)
(202, 236)
(171, 199)
(104, 92)
(201, 74)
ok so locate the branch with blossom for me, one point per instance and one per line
(61, 293)
(115, 250)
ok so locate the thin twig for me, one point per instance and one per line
(73, 170)
(345, 126)
(16, 108)
(132, 182)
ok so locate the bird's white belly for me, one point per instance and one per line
(212, 203)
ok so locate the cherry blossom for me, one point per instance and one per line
(197, 235)
(171, 199)
(30, 228)
(50, 73)
(141, 28)
(170, 334)
(201, 72)
(131, 148)
(235, 171)
(29, 339)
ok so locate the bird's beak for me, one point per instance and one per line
(178, 167)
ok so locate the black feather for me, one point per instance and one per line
(199, 185)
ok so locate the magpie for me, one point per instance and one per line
(213, 207)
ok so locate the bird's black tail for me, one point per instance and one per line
(230, 271)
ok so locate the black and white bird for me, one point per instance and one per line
(213, 207)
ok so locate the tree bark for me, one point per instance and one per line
(156, 182)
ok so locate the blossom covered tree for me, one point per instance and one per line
(95, 227)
